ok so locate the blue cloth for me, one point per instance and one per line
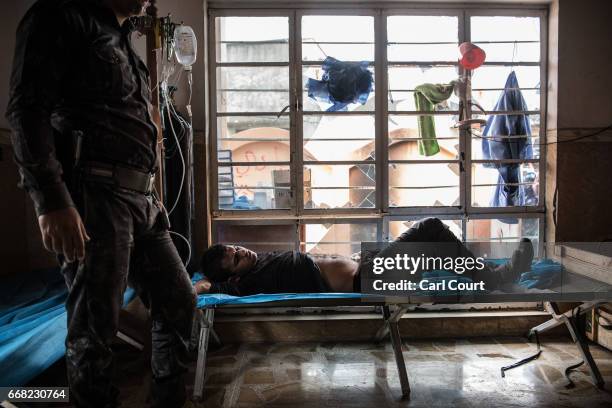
(214, 299)
(33, 324)
(508, 193)
(342, 83)
(544, 274)
(242, 203)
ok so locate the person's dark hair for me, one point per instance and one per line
(211, 263)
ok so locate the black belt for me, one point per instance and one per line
(119, 176)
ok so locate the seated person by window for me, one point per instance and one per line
(238, 271)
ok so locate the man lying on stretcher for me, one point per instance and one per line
(238, 271)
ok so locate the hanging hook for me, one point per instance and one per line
(321, 49)
(513, 56)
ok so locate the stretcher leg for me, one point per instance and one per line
(581, 343)
(215, 337)
(395, 317)
(396, 343)
(556, 318)
(205, 329)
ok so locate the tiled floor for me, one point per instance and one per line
(443, 373)
(458, 373)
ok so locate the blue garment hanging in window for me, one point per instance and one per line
(508, 191)
(342, 83)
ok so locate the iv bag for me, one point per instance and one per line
(185, 45)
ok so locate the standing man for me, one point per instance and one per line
(86, 148)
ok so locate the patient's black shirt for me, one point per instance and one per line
(276, 272)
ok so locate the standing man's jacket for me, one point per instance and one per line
(75, 72)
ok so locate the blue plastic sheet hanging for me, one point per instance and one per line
(342, 83)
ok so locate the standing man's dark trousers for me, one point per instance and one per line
(129, 242)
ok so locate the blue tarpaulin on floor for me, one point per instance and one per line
(32, 324)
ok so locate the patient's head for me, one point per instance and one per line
(220, 262)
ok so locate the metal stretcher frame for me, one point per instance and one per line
(207, 320)
(391, 327)
(559, 318)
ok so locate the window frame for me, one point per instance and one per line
(542, 14)
(382, 212)
(214, 114)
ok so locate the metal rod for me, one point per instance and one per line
(396, 343)
(587, 357)
(395, 317)
(131, 341)
(424, 113)
(579, 340)
(455, 43)
(206, 327)
(566, 318)
(473, 89)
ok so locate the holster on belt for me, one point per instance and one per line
(118, 176)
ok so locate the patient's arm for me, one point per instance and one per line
(206, 286)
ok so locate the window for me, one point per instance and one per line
(324, 180)
(253, 134)
(512, 45)
(417, 55)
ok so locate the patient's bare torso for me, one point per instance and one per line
(337, 271)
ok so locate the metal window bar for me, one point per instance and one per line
(453, 42)
(339, 42)
(251, 90)
(423, 161)
(341, 188)
(424, 64)
(336, 163)
(250, 64)
(254, 188)
(310, 63)
(353, 112)
(255, 139)
(421, 138)
(423, 113)
(254, 42)
(255, 113)
(473, 89)
(504, 161)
